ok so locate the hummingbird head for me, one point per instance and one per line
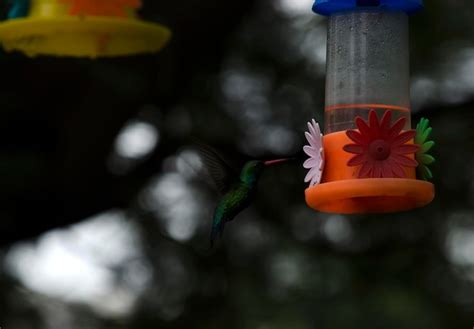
(253, 169)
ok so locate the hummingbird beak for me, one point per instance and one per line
(272, 162)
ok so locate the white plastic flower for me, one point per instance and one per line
(315, 151)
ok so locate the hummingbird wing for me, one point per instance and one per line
(220, 171)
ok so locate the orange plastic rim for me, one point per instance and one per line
(373, 195)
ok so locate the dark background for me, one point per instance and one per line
(104, 221)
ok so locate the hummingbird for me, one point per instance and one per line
(237, 188)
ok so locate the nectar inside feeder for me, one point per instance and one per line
(81, 28)
(370, 156)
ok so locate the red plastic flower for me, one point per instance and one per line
(381, 149)
(102, 7)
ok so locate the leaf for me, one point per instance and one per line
(428, 174)
(421, 130)
(426, 159)
(422, 125)
(426, 147)
(426, 134)
(425, 173)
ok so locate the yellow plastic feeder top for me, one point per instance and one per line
(370, 160)
(80, 28)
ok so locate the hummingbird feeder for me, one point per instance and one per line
(80, 28)
(369, 160)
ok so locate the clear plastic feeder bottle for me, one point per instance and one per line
(368, 78)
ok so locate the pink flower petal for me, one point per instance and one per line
(312, 152)
(314, 129)
(316, 179)
(311, 163)
(316, 126)
(310, 139)
(311, 129)
(314, 141)
(311, 173)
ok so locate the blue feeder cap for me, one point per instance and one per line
(329, 7)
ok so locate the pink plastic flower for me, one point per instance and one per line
(315, 151)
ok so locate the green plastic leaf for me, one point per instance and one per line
(425, 173)
(424, 124)
(426, 159)
(420, 130)
(423, 133)
(426, 147)
(429, 174)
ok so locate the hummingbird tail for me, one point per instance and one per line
(217, 231)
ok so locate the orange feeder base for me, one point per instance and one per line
(373, 195)
(342, 192)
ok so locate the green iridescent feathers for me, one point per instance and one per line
(422, 138)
